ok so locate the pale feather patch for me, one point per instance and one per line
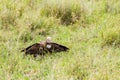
(48, 46)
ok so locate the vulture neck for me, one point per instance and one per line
(43, 43)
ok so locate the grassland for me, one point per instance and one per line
(90, 28)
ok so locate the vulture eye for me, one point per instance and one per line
(48, 46)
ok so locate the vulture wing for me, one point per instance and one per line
(28, 47)
(54, 47)
(34, 49)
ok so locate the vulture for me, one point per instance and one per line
(44, 47)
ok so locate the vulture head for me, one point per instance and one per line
(48, 40)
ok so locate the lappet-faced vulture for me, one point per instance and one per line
(44, 47)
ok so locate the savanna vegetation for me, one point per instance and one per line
(90, 28)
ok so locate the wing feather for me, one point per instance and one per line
(57, 47)
(28, 47)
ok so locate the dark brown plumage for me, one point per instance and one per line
(44, 47)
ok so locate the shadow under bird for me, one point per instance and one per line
(44, 47)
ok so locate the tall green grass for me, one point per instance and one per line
(90, 28)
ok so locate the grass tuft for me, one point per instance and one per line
(111, 36)
(69, 12)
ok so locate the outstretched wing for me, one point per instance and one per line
(28, 47)
(54, 47)
(35, 49)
